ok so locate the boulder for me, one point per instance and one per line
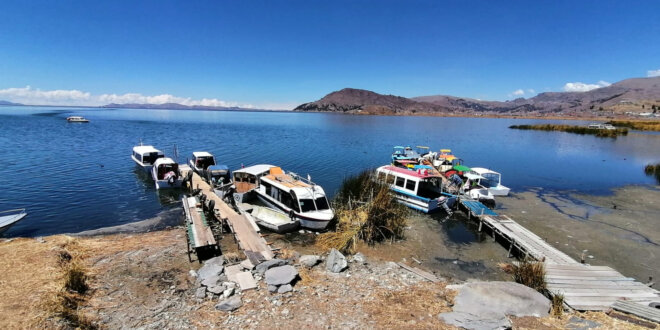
(266, 265)
(281, 275)
(228, 292)
(220, 260)
(216, 289)
(200, 293)
(209, 270)
(272, 288)
(359, 258)
(230, 304)
(309, 260)
(247, 264)
(336, 262)
(486, 305)
(213, 280)
(284, 288)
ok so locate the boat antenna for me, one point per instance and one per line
(176, 153)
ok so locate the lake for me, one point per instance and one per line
(75, 177)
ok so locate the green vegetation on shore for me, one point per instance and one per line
(640, 125)
(366, 211)
(653, 170)
(574, 129)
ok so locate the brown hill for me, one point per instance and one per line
(636, 95)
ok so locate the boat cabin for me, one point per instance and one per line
(488, 178)
(247, 178)
(163, 166)
(201, 160)
(146, 155)
(294, 192)
(421, 182)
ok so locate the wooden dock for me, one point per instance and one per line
(246, 232)
(584, 287)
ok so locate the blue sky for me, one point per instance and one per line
(277, 54)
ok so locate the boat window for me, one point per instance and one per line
(400, 181)
(268, 187)
(252, 179)
(286, 199)
(204, 162)
(307, 205)
(381, 176)
(389, 179)
(410, 185)
(322, 203)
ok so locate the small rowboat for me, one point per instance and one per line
(10, 217)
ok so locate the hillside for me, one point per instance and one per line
(8, 103)
(634, 95)
(168, 106)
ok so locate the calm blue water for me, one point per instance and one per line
(75, 177)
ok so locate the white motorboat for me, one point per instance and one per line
(274, 220)
(145, 156)
(203, 163)
(474, 190)
(10, 217)
(166, 174)
(491, 180)
(297, 197)
(419, 189)
(77, 119)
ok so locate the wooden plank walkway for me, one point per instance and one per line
(584, 287)
(250, 241)
(588, 287)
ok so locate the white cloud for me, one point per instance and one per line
(29, 95)
(582, 87)
(518, 92)
(653, 73)
(531, 91)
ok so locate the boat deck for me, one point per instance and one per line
(584, 287)
(245, 231)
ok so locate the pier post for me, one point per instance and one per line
(481, 223)
(510, 248)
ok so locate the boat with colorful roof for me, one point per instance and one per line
(420, 188)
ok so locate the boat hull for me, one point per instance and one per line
(499, 191)
(146, 168)
(164, 184)
(422, 204)
(306, 222)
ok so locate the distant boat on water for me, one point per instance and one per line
(77, 119)
(10, 217)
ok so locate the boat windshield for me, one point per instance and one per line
(204, 162)
(307, 205)
(151, 157)
(491, 180)
(322, 203)
(431, 188)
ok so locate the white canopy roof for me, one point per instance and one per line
(481, 170)
(164, 160)
(473, 176)
(255, 169)
(201, 154)
(146, 150)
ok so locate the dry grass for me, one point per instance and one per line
(528, 273)
(640, 125)
(574, 129)
(366, 211)
(557, 308)
(417, 306)
(31, 277)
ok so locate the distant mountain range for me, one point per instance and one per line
(8, 103)
(634, 95)
(171, 106)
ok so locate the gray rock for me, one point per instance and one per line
(272, 288)
(359, 258)
(266, 265)
(228, 292)
(309, 260)
(577, 323)
(213, 280)
(220, 260)
(485, 305)
(216, 289)
(281, 275)
(200, 293)
(336, 262)
(209, 270)
(285, 288)
(229, 304)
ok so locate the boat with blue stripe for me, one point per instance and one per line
(419, 188)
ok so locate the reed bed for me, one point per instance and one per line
(366, 211)
(574, 129)
(640, 125)
(653, 170)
